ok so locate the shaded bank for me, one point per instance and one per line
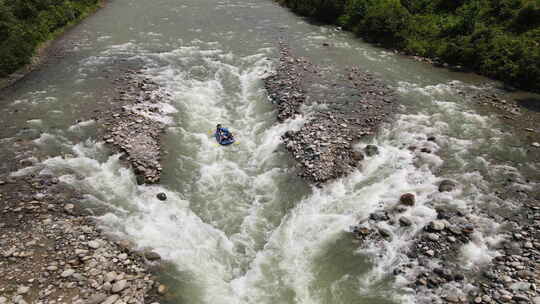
(499, 39)
(26, 27)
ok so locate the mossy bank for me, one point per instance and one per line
(496, 38)
(26, 26)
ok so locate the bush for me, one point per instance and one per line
(497, 38)
(24, 24)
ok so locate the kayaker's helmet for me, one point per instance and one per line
(218, 126)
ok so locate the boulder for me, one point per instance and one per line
(371, 150)
(407, 199)
(405, 222)
(161, 196)
(96, 298)
(119, 286)
(152, 256)
(437, 225)
(447, 186)
(357, 156)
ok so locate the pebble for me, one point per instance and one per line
(66, 273)
(23, 289)
(437, 225)
(152, 256)
(407, 199)
(94, 244)
(162, 289)
(3, 300)
(111, 299)
(119, 286)
(447, 185)
(535, 300)
(96, 298)
(405, 222)
(161, 196)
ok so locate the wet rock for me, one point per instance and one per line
(162, 196)
(405, 222)
(23, 289)
(96, 298)
(111, 299)
(407, 199)
(447, 185)
(357, 156)
(371, 150)
(119, 286)
(152, 256)
(535, 144)
(68, 208)
(66, 273)
(385, 233)
(379, 216)
(94, 244)
(162, 289)
(437, 225)
(432, 237)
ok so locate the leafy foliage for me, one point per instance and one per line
(24, 24)
(498, 38)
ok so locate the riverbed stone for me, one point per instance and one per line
(407, 199)
(111, 299)
(437, 225)
(371, 150)
(151, 255)
(96, 298)
(66, 273)
(119, 286)
(95, 244)
(162, 196)
(447, 185)
(405, 222)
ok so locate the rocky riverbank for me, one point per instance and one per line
(53, 252)
(345, 110)
(350, 106)
(51, 246)
(133, 127)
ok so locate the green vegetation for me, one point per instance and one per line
(24, 24)
(497, 38)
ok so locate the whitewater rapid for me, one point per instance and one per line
(238, 226)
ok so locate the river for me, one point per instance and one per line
(238, 226)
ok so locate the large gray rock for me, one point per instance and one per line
(371, 150)
(437, 225)
(111, 299)
(94, 244)
(119, 286)
(66, 273)
(96, 298)
(152, 256)
(447, 186)
(407, 199)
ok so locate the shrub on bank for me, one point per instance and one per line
(24, 24)
(497, 38)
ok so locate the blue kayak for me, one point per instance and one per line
(223, 140)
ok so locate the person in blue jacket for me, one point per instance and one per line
(223, 133)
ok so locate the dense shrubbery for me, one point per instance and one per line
(26, 23)
(498, 38)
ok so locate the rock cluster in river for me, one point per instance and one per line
(351, 105)
(434, 265)
(51, 252)
(132, 128)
